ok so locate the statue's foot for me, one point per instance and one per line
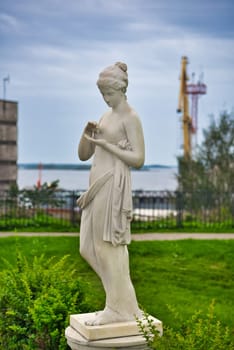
(90, 321)
(105, 317)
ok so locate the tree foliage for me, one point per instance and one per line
(213, 166)
(43, 195)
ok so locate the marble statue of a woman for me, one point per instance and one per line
(117, 143)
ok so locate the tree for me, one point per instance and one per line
(213, 167)
(217, 153)
(206, 182)
(43, 196)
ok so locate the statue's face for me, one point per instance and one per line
(111, 96)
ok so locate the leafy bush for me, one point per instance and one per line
(201, 332)
(35, 303)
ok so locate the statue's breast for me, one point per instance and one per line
(112, 130)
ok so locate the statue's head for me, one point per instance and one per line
(114, 77)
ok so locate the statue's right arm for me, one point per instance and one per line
(86, 148)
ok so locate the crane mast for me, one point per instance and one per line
(189, 121)
(183, 107)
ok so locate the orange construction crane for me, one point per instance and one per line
(189, 121)
(39, 183)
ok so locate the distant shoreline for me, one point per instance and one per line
(64, 166)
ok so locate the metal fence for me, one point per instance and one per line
(156, 210)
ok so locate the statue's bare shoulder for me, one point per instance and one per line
(132, 121)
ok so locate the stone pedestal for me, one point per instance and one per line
(122, 335)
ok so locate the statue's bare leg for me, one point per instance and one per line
(110, 263)
(121, 303)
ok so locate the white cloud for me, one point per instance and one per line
(9, 23)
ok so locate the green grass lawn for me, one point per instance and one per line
(186, 275)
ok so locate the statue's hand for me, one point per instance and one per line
(98, 142)
(91, 128)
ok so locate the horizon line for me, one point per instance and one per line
(51, 165)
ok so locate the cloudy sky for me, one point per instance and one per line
(53, 51)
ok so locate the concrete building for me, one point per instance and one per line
(8, 143)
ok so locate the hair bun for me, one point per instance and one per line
(122, 66)
(114, 76)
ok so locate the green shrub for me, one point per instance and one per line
(35, 303)
(200, 332)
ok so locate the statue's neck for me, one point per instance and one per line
(122, 107)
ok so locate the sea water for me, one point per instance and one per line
(158, 179)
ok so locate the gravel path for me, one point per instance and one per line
(135, 237)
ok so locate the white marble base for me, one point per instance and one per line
(121, 335)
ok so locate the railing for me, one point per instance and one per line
(179, 210)
(157, 210)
